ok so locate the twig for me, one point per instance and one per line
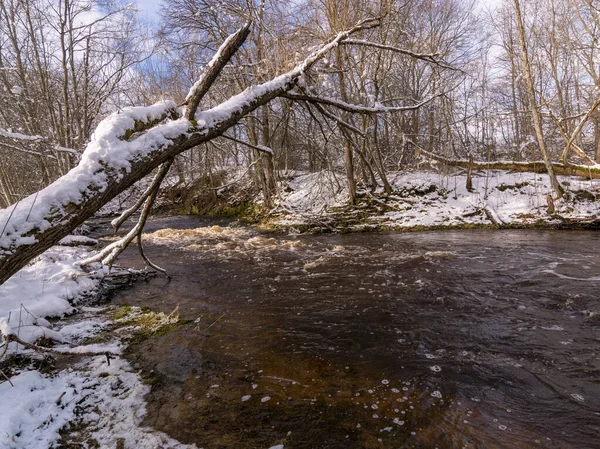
(7, 378)
(213, 323)
(9, 217)
(34, 347)
(5, 348)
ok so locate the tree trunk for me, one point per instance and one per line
(537, 123)
(597, 140)
(348, 156)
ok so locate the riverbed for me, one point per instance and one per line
(449, 339)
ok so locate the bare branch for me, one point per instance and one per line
(109, 254)
(338, 120)
(262, 148)
(428, 57)
(570, 145)
(223, 55)
(158, 178)
(578, 129)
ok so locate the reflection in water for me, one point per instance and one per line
(478, 339)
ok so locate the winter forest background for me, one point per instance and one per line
(66, 64)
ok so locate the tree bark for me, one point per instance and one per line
(532, 167)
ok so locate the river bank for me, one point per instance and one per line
(431, 201)
(418, 201)
(64, 381)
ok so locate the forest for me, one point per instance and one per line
(298, 117)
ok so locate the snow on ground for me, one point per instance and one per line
(49, 287)
(74, 240)
(432, 199)
(313, 193)
(106, 400)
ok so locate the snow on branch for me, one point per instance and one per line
(28, 144)
(34, 145)
(229, 112)
(429, 57)
(356, 108)
(107, 157)
(18, 136)
(262, 148)
(213, 69)
(433, 58)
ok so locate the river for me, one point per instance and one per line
(446, 339)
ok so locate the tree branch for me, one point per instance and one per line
(427, 57)
(158, 178)
(109, 254)
(256, 147)
(355, 108)
(533, 167)
(223, 55)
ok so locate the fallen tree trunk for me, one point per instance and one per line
(128, 146)
(586, 171)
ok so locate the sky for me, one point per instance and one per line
(149, 9)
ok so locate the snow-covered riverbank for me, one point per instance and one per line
(425, 200)
(90, 394)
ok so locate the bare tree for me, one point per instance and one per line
(61, 64)
(537, 122)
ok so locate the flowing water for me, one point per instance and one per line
(453, 339)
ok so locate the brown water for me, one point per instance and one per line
(458, 339)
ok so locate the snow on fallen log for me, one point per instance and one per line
(108, 155)
(126, 147)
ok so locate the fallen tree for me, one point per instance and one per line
(586, 171)
(129, 145)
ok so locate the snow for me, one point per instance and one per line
(106, 401)
(428, 199)
(107, 155)
(313, 192)
(5, 328)
(280, 83)
(77, 240)
(18, 136)
(49, 287)
(211, 63)
(236, 103)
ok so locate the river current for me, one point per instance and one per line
(446, 339)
